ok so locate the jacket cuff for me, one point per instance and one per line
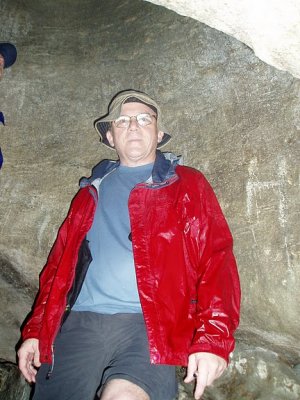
(206, 348)
(29, 333)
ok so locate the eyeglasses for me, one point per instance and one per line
(143, 119)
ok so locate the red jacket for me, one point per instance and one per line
(186, 272)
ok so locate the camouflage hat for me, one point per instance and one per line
(102, 124)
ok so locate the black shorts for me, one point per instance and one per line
(93, 348)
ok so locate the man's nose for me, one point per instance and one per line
(133, 124)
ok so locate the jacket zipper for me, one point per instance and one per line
(51, 368)
(49, 373)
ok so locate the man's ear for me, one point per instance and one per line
(160, 135)
(110, 138)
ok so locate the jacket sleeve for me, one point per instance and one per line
(32, 326)
(77, 222)
(218, 287)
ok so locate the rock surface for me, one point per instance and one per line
(270, 28)
(253, 374)
(12, 386)
(231, 116)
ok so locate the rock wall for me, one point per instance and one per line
(231, 115)
(271, 28)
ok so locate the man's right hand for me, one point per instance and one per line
(29, 359)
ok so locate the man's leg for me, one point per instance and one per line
(129, 374)
(79, 357)
(121, 389)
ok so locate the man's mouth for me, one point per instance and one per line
(134, 140)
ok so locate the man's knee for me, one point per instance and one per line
(121, 389)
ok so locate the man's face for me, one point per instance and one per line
(1, 66)
(135, 145)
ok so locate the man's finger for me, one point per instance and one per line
(191, 369)
(201, 384)
(36, 360)
(24, 365)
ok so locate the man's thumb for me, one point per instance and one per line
(36, 358)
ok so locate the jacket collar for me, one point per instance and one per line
(164, 166)
(163, 169)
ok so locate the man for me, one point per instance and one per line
(8, 56)
(144, 262)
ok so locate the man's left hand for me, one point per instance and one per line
(205, 367)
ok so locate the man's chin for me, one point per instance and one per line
(135, 147)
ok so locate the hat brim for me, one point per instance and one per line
(103, 126)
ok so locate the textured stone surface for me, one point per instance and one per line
(12, 386)
(231, 115)
(253, 374)
(270, 28)
(15, 298)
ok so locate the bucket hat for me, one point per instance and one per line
(9, 53)
(102, 124)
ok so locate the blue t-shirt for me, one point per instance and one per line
(110, 284)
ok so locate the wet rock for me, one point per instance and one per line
(12, 385)
(253, 374)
